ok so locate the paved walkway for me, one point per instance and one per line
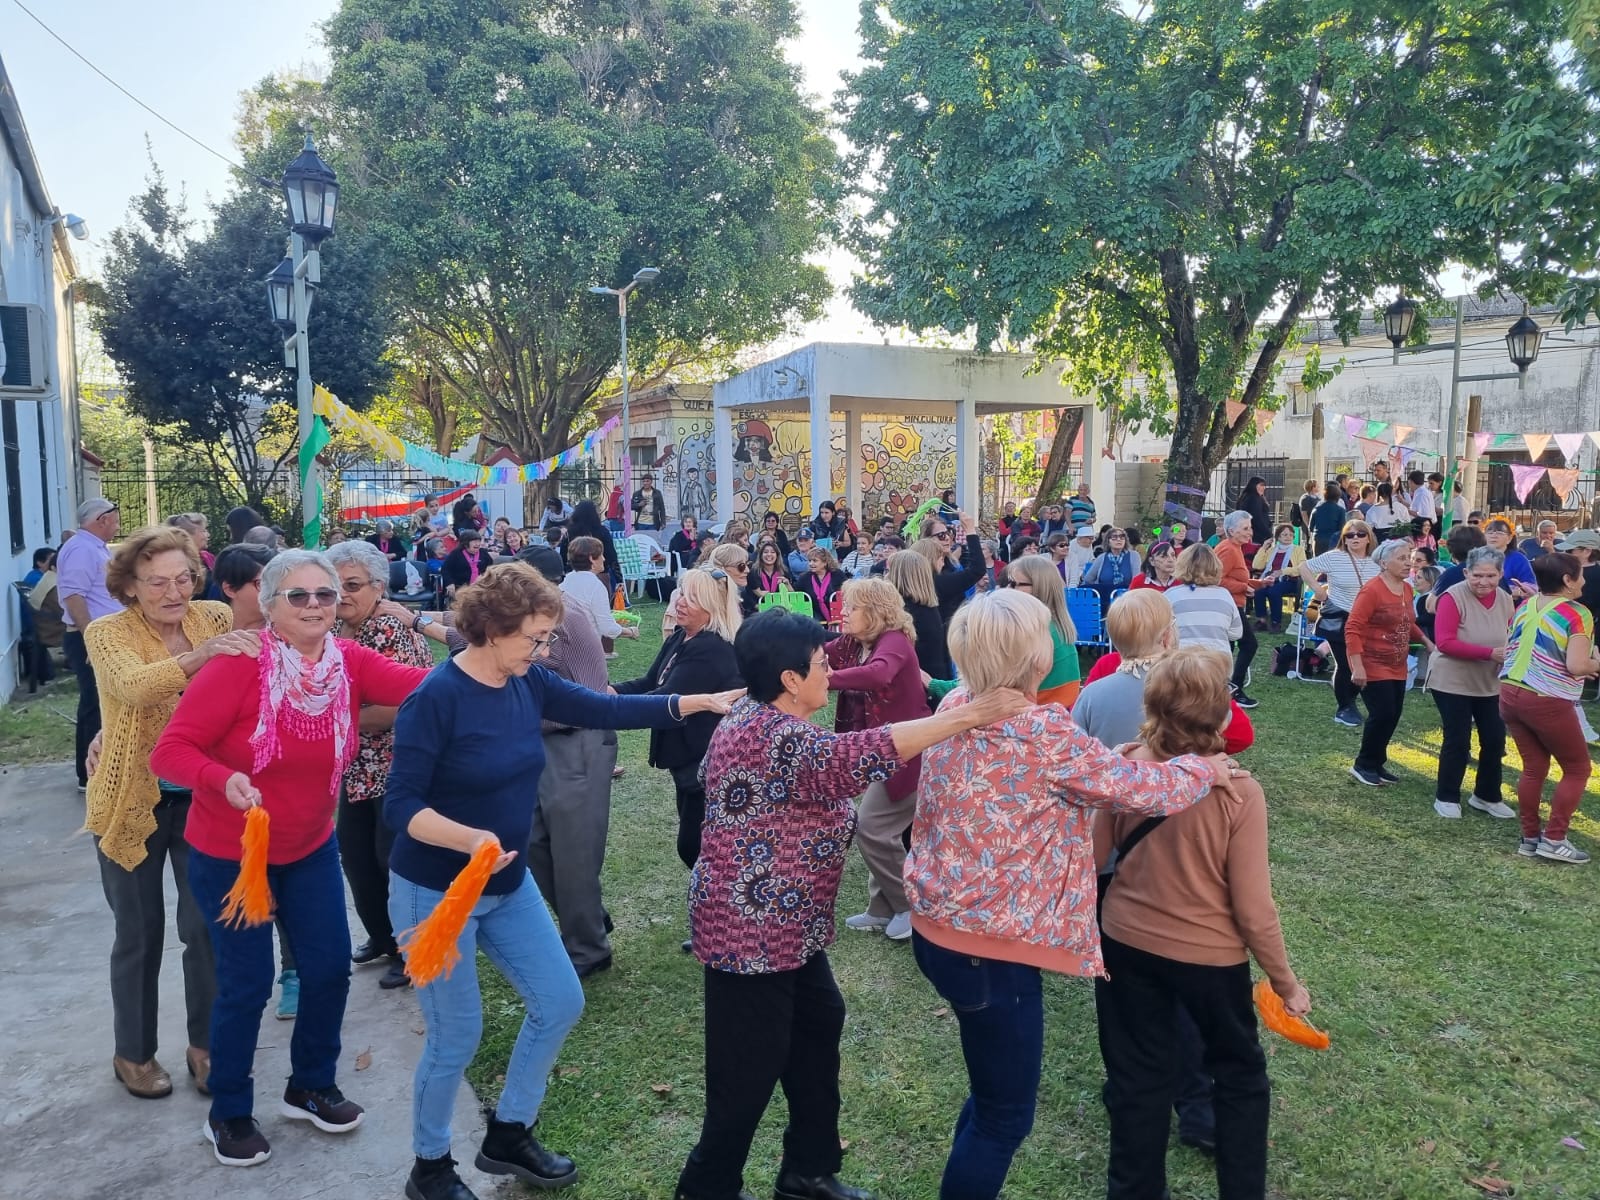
(70, 1131)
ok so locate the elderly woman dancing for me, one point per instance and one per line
(761, 901)
(1378, 637)
(1000, 874)
(279, 734)
(144, 657)
(1470, 628)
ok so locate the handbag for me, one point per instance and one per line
(1103, 880)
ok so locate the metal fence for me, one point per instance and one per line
(181, 492)
(1228, 480)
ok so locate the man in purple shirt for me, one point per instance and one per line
(81, 576)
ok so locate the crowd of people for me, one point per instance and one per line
(985, 780)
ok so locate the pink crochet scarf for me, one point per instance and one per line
(308, 699)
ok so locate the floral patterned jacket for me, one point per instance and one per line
(1002, 846)
(777, 832)
(369, 770)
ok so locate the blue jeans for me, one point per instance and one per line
(1000, 1008)
(1268, 601)
(517, 934)
(309, 895)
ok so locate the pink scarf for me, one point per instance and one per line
(308, 699)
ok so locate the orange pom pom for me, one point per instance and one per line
(1276, 1018)
(430, 946)
(249, 900)
(619, 600)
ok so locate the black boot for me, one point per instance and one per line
(436, 1179)
(510, 1148)
(793, 1186)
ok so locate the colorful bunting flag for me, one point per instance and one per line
(1480, 443)
(1570, 444)
(1263, 420)
(1524, 478)
(1375, 429)
(1563, 480)
(1235, 410)
(1536, 442)
(1402, 432)
(1355, 427)
(1372, 450)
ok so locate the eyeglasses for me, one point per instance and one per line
(821, 664)
(161, 583)
(352, 586)
(943, 535)
(537, 644)
(741, 568)
(301, 597)
(1350, 537)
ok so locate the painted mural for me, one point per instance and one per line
(902, 463)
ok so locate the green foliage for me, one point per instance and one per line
(183, 315)
(1162, 194)
(513, 154)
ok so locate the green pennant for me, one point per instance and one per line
(311, 499)
(1375, 429)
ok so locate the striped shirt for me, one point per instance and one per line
(1346, 574)
(1543, 667)
(1207, 616)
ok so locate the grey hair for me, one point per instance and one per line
(385, 523)
(284, 564)
(1233, 520)
(363, 554)
(1484, 555)
(1389, 549)
(992, 546)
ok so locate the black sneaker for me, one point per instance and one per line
(791, 1186)
(394, 977)
(372, 951)
(509, 1148)
(1349, 717)
(1387, 775)
(326, 1108)
(1243, 700)
(237, 1142)
(1362, 775)
(436, 1179)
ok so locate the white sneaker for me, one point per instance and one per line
(866, 922)
(1446, 809)
(1495, 808)
(1562, 851)
(899, 927)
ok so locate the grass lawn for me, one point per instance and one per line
(40, 727)
(1458, 982)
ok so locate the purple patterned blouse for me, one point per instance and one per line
(778, 825)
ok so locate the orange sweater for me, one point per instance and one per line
(1379, 629)
(1235, 572)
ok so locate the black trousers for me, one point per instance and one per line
(691, 800)
(1385, 699)
(364, 844)
(77, 656)
(1344, 692)
(1457, 717)
(1246, 652)
(762, 1031)
(1139, 1041)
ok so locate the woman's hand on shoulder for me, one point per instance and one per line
(1225, 770)
(712, 702)
(235, 642)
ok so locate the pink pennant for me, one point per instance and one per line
(1401, 433)
(1372, 449)
(1480, 443)
(1536, 442)
(1263, 420)
(1355, 427)
(1524, 478)
(1563, 480)
(1235, 410)
(1570, 444)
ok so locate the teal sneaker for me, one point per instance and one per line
(288, 995)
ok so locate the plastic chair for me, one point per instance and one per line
(632, 564)
(653, 558)
(795, 602)
(1083, 606)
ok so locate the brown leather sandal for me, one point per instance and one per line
(147, 1080)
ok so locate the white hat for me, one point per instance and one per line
(1085, 531)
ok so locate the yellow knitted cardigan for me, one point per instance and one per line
(139, 683)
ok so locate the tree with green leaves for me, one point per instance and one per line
(509, 155)
(183, 314)
(1160, 196)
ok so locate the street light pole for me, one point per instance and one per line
(306, 272)
(641, 276)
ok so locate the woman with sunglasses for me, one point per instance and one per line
(1337, 577)
(277, 731)
(734, 561)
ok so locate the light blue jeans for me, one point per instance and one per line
(520, 939)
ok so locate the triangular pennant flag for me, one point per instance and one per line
(1524, 478)
(1536, 442)
(1372, 450)
(1355, 427)
(1570, 444)
(1401, 433)
(1563, 480)
(1235, 410)
(1375, 429)
(1480, 443)
(1263, 420)
(1503, 441)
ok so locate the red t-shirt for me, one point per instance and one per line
(1240, 733)
(208, 739)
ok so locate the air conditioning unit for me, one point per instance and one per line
(23, 363)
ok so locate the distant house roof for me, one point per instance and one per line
(15, 131)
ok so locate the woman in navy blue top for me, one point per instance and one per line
(468, 756)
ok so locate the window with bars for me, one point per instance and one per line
(44, 472)
(13, 461)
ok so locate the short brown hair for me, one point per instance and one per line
(586, 549)
(1199, 565)
(140, 547)
(1186, 702)
(882, 606)
(503, 597)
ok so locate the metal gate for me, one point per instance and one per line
(1228, 481)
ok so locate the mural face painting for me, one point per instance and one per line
(902, 463)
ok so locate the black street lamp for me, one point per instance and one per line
(1397, 321)
(1522, 342)
(280, 295)
(312, 191)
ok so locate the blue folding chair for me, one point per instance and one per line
(1083, 606)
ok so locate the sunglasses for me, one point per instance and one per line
(301, 597)
(1350, 537)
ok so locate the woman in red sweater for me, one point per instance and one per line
(278, 732)
(876, 674)
(1378, 635)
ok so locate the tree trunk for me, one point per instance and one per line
(1060, 456)
(1188, 473)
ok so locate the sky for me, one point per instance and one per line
(190, 64)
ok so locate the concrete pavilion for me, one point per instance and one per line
(853, 380)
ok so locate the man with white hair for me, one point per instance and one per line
(81, 584)
(1543, 540)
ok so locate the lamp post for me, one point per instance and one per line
(642, 276)
(1522, 347)
(311, 192)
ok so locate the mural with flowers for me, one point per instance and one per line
(902, 463)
